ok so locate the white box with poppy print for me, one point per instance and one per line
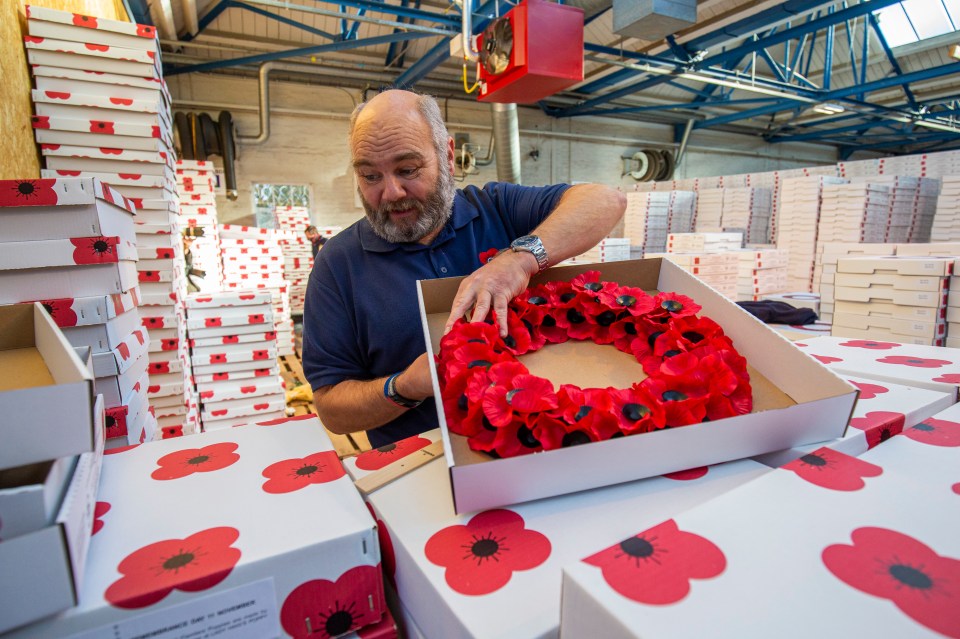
(908, 364)
(496, 573)
(41, 571)
(46, 392)
(51, 209)
(107, 336)
(795, 400)
(864, 546)
(883, 410)
(115, 388)
(64, 25)
(290, 547)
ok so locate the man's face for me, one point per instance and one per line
(312, 235)
(406, 189)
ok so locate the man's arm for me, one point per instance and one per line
(583, 217)
(353, 405)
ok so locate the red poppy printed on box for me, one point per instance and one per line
(481, 556)
(826, 359)
(95, 250)
(379, 457)
(879, 425)
(869, 391)
(828, 468)
(948, 378)
(918, 362)
(196, 563)
(320, 608)
(888, 564)
(935, 432)
(186, 462)
(688, 475)
(29, 193)
(101, 509)
(867, 343)
(657, 566)
(388, 557)
(293, 474)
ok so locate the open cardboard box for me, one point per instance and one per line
(796, 399)
(41, 571)
(46, 392)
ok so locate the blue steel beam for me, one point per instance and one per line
(922, 139)
(772, 65)
(670, 107)
(281, 19)
(816, 135)
(864, 56)
(416, 14)
(352, 33)
(291, 53)
(892, 59)
(916, 76)
(211, 15)
(441, 51)
(828, 55)
(392, 50)
(738, 52)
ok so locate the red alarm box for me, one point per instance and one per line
(531, 52)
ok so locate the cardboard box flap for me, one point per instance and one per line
(144, 31)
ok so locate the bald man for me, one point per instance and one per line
(363, 348)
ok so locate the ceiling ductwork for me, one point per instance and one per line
(506, 136)
(652, 19)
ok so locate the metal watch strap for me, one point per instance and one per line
(390, 392)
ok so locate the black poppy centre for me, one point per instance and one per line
(340, 620)
(307, 470)
(910, 576)
(199, 459)
(178, 561)
(637, 548)
(484, 548)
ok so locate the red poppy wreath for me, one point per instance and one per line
(694, 374)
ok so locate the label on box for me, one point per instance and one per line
(245, 612)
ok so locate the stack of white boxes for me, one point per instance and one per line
(800, 199)
(953, 309)
(925, 210)
(716, 269)
(942, 164)
(610, 249)
(761, 272)
(103, 110)
(646, 222)
(292, 218)
(902, 206)
(70, 244)
(828, 254)
(704, 242)
(854, 212)
(709, 217)
(297, 252)
(198, 210)
(900, 299)
(253, 259)
(748, 210)
(233, 348)
(946, 222)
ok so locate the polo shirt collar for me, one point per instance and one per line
(462, 215)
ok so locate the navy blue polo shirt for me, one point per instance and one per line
(361, 318)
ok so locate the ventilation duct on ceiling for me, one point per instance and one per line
(506, 136)
(652, 19)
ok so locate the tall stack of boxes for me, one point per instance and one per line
(233, 347)
(760, 273)
(609, 249)
(198, 222)
(651, 216)
(828, 254)
(709, 218)
(716, 269)
(946, 222)
(747, 210)
(800, 201)
(854, 213)
(253, 259)
(704, 242)
(899, 299)
(70, 244)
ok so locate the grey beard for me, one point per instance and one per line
(433, 213)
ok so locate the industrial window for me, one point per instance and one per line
(915, 20)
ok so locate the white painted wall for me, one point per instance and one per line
(308, 144)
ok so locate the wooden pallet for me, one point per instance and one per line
(346, 445)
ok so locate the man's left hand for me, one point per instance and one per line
(492, 286)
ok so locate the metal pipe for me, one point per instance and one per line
(264, 79)
(506, 133)
(683, 140)
(466, 30)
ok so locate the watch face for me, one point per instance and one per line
(526, 242)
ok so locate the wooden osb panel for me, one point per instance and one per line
(19, 158)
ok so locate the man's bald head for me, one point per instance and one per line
(395, 104)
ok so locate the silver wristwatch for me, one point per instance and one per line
(532, 244)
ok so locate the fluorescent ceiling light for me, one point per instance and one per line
(829, 108)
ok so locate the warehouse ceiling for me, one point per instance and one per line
(801, 70)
